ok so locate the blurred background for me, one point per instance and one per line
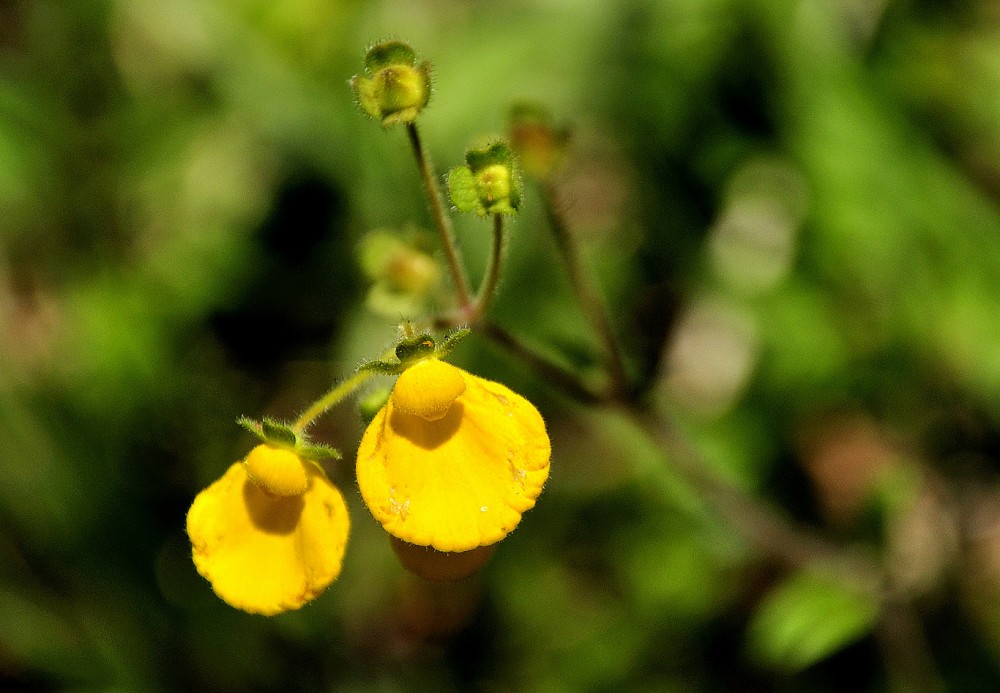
(791, 207)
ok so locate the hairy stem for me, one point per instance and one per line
(333, 397)
(553, 373)
(492, 279)
(587, 295)
(441, 218)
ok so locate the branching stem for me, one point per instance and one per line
(553, 373)
(587, 295)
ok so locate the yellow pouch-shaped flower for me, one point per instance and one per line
(267, 553)
(452, 460)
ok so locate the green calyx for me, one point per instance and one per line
(415, 348)
(394, 87)
(281, 435)
(489, 183)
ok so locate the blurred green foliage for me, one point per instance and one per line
(793, 211)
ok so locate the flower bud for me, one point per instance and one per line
(404, 274)
(489, 183)
(394, 88)
(538, 145)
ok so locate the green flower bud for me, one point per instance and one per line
(411, 349)
(393, 88)
(489, 183)
(404, 273)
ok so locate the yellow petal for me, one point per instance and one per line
(266, 554)
(280, 471)
(428, 388)
(461, 481)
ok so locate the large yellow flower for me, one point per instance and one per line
(270, 534)
(452, 460)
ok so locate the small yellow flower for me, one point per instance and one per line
(452, 460)
(270, 534)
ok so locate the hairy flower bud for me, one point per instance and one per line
(394, 87)
(489, 183)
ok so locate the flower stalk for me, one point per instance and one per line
(333, 397)
(441, 219)
(491, 280)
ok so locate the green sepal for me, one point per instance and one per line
(278, 433)
(365, 96)
(388, 53)
(251, 425)
(317, 452)
(270, 431)
(462, 189)
(498, 152)
(452, 340)
(411, 349)
(381, 367)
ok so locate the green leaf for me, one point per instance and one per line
(808, 618)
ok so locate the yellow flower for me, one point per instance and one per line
(452, 460)
(267, 552)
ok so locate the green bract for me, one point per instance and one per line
(489, 183)
(394, 87)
